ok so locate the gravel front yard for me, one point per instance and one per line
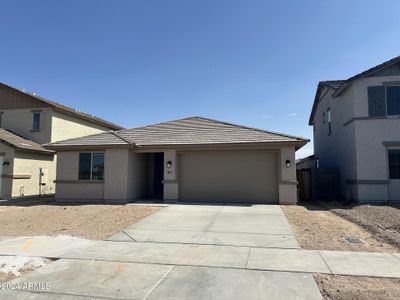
(95, 222)
(325, 227)
(381, 220)
(320, 229)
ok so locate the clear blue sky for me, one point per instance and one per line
(135, 62)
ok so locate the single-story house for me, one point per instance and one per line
(191, 159)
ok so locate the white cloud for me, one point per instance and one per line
(266, 116)
(292, 114)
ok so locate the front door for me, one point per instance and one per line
(158, 175)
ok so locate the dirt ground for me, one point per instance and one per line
(320, 229)
(88, 221)
(323, 228)
(381, 220)
(357, 288)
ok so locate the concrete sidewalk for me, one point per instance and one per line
(190, 252)
(252, 258)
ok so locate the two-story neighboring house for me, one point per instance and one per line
(28, 121)
(356, 126)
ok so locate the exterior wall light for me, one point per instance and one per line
(169, 164)
(6, 162)
(288, 163)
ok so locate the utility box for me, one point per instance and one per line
(44, 176)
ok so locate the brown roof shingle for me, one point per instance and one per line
(188, 131)
(21, 143)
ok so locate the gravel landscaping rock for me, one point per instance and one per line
(357, 288)
(318, 228)
(381, 220)
(88, 221)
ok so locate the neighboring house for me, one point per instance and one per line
(28, 121)
(357, 129)
(192, 159)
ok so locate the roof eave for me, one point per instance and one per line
(57, 148)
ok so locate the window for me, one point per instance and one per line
(323, 117)
(91, 166)
(393, 100)
(394, 164)
(36, 121)
(1, 119)
(383, 100)
(329, 121)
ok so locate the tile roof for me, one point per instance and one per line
(67, 109)
(188, 131)
(21, 143)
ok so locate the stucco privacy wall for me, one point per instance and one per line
(67, 127)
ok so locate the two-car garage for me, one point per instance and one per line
(228, 176)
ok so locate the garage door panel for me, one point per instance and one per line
(234, 176)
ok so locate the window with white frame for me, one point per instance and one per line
(91, 166)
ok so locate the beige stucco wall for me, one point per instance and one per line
(287, 176)
(116, 166)
(65, 126)
(127, 175)
(6, 184)
(26, 163)
(68, 185)
(20, 121)
(137, 179)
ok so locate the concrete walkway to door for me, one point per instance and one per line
(223, 225)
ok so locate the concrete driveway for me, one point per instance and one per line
(252, 226)
(180, 252)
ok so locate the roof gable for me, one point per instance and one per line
(190, 131)
(22, 99)
(388, 68)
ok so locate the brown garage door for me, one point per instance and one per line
(229, 176)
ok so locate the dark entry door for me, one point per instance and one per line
(158, 175)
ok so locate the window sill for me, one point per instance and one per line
(36, 130)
